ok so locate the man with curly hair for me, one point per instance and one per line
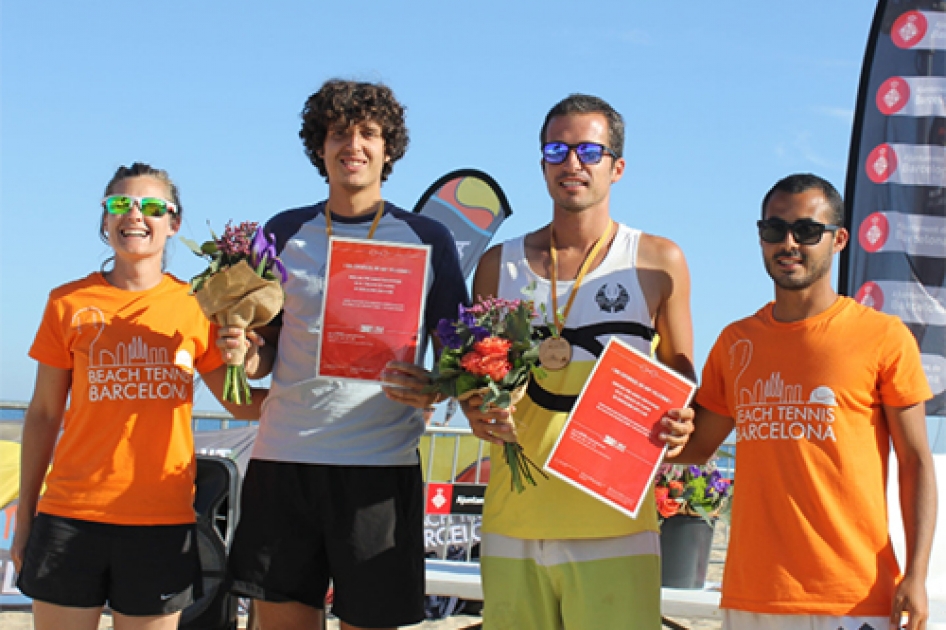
(333, 491)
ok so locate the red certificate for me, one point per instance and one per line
(609, 446)
(373, 307)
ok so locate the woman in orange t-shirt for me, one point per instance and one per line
(115, 524)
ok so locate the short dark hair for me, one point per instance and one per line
(343, 103)
(587, 104)
(799, 183)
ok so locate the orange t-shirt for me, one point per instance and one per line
(126, 453)
(809, 521)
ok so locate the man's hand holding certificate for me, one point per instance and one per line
(610, 446)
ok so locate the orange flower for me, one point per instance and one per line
(493, 347)
(472, 362)
(495, 367)
(665, 505)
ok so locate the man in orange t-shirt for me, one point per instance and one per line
(817, 387)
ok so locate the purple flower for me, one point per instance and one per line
(263, 254)
(447, 333)
(261, 249)
(720, 485)
(466, 316)
(696, 471)
(479, 333)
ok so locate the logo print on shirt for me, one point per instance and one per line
(130, 370)
(612, 300)
(771, 409)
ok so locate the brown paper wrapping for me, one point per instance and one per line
(236, 296)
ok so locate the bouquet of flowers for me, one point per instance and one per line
(693, 490)
(242, 287)
(489, 351)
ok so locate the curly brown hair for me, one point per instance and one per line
(343, 103)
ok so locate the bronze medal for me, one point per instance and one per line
(555, 353)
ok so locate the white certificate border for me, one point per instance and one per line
(421, 334)
(653, 472)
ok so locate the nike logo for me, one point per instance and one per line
(164, 598)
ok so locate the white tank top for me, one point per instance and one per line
(610, 303)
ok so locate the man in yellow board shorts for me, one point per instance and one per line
(817, 388)
(553, 556)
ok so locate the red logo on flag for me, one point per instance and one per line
(909, 29)
(881, 163)
(870, 295)
(873, 232)
(893, 95)
(439, 498)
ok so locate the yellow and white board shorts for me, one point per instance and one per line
(578, 584)
(742, 620)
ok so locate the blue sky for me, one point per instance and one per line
(720, 101)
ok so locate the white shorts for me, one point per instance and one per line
(742, 620)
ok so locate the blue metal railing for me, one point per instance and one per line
(12, 411)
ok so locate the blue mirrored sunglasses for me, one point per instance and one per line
(587, 152)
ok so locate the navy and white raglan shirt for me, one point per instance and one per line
(309, 419)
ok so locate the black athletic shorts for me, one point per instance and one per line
(135, 569)
(361, 527)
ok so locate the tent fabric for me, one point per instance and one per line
(235, 444)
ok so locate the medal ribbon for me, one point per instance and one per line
(371, 230)
(585, 266)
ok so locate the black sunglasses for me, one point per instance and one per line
(587, 152)
(804, 231)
